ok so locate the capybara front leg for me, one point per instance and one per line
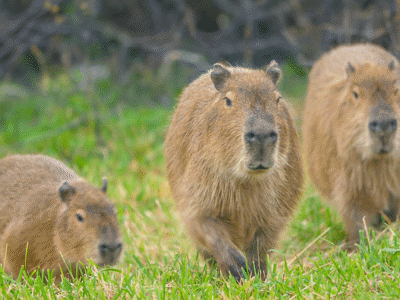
(353, 218)
(392, 211)
(257, 250)
(214, 238)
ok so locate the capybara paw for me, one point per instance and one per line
(239, 264)
(259, 268)
(391, 215)
(376, 220)
(236, 272)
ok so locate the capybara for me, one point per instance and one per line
(52, 219)
(234, 165)
(350, 133)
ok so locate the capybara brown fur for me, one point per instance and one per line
(350, 133)
(52, 219)
(234, 165)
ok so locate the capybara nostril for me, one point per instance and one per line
(373, 126)
(118, 246)
(252, 137)
(106, 249)
(272, 136)
(393, 124)
(383, 127)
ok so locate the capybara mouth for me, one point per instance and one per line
(109, 261)
(259, 167)
(383, 149)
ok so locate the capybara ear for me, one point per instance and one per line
(349, 69)
(65, 191)
(105, 184)
(219, 76)
(224, 63)
(273, 71)
(391, 65)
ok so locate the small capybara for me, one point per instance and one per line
(53, 220)
(234, 165)
(350, 133)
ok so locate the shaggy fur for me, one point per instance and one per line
(228, 207)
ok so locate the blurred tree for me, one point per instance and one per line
(40, 34)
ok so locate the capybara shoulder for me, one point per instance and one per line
(52, 219)
(233, 163)
(350, 131)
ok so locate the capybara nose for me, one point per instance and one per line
(270, 137)
(385, 127)
(111, 248)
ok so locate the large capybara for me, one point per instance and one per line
(53, 220)
(350, 133)
(234, 165)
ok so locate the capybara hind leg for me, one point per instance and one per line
(212, 235)
(10, 258)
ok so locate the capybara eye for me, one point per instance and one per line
(228, 101)
(355, 95)
(277, 100)
(79, 217)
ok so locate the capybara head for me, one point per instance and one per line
(369, 112)
(87, 225)
(243, 124)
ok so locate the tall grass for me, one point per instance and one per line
(100, 132)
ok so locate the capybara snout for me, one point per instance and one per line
(110, 244)
(260, 137)
(110, 252)
(382, 127)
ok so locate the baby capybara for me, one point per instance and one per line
(53, 220)
(234, 165)
(350, 133)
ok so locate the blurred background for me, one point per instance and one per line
(115, 39)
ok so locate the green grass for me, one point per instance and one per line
(97, 134)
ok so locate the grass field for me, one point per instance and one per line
(101, 131)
